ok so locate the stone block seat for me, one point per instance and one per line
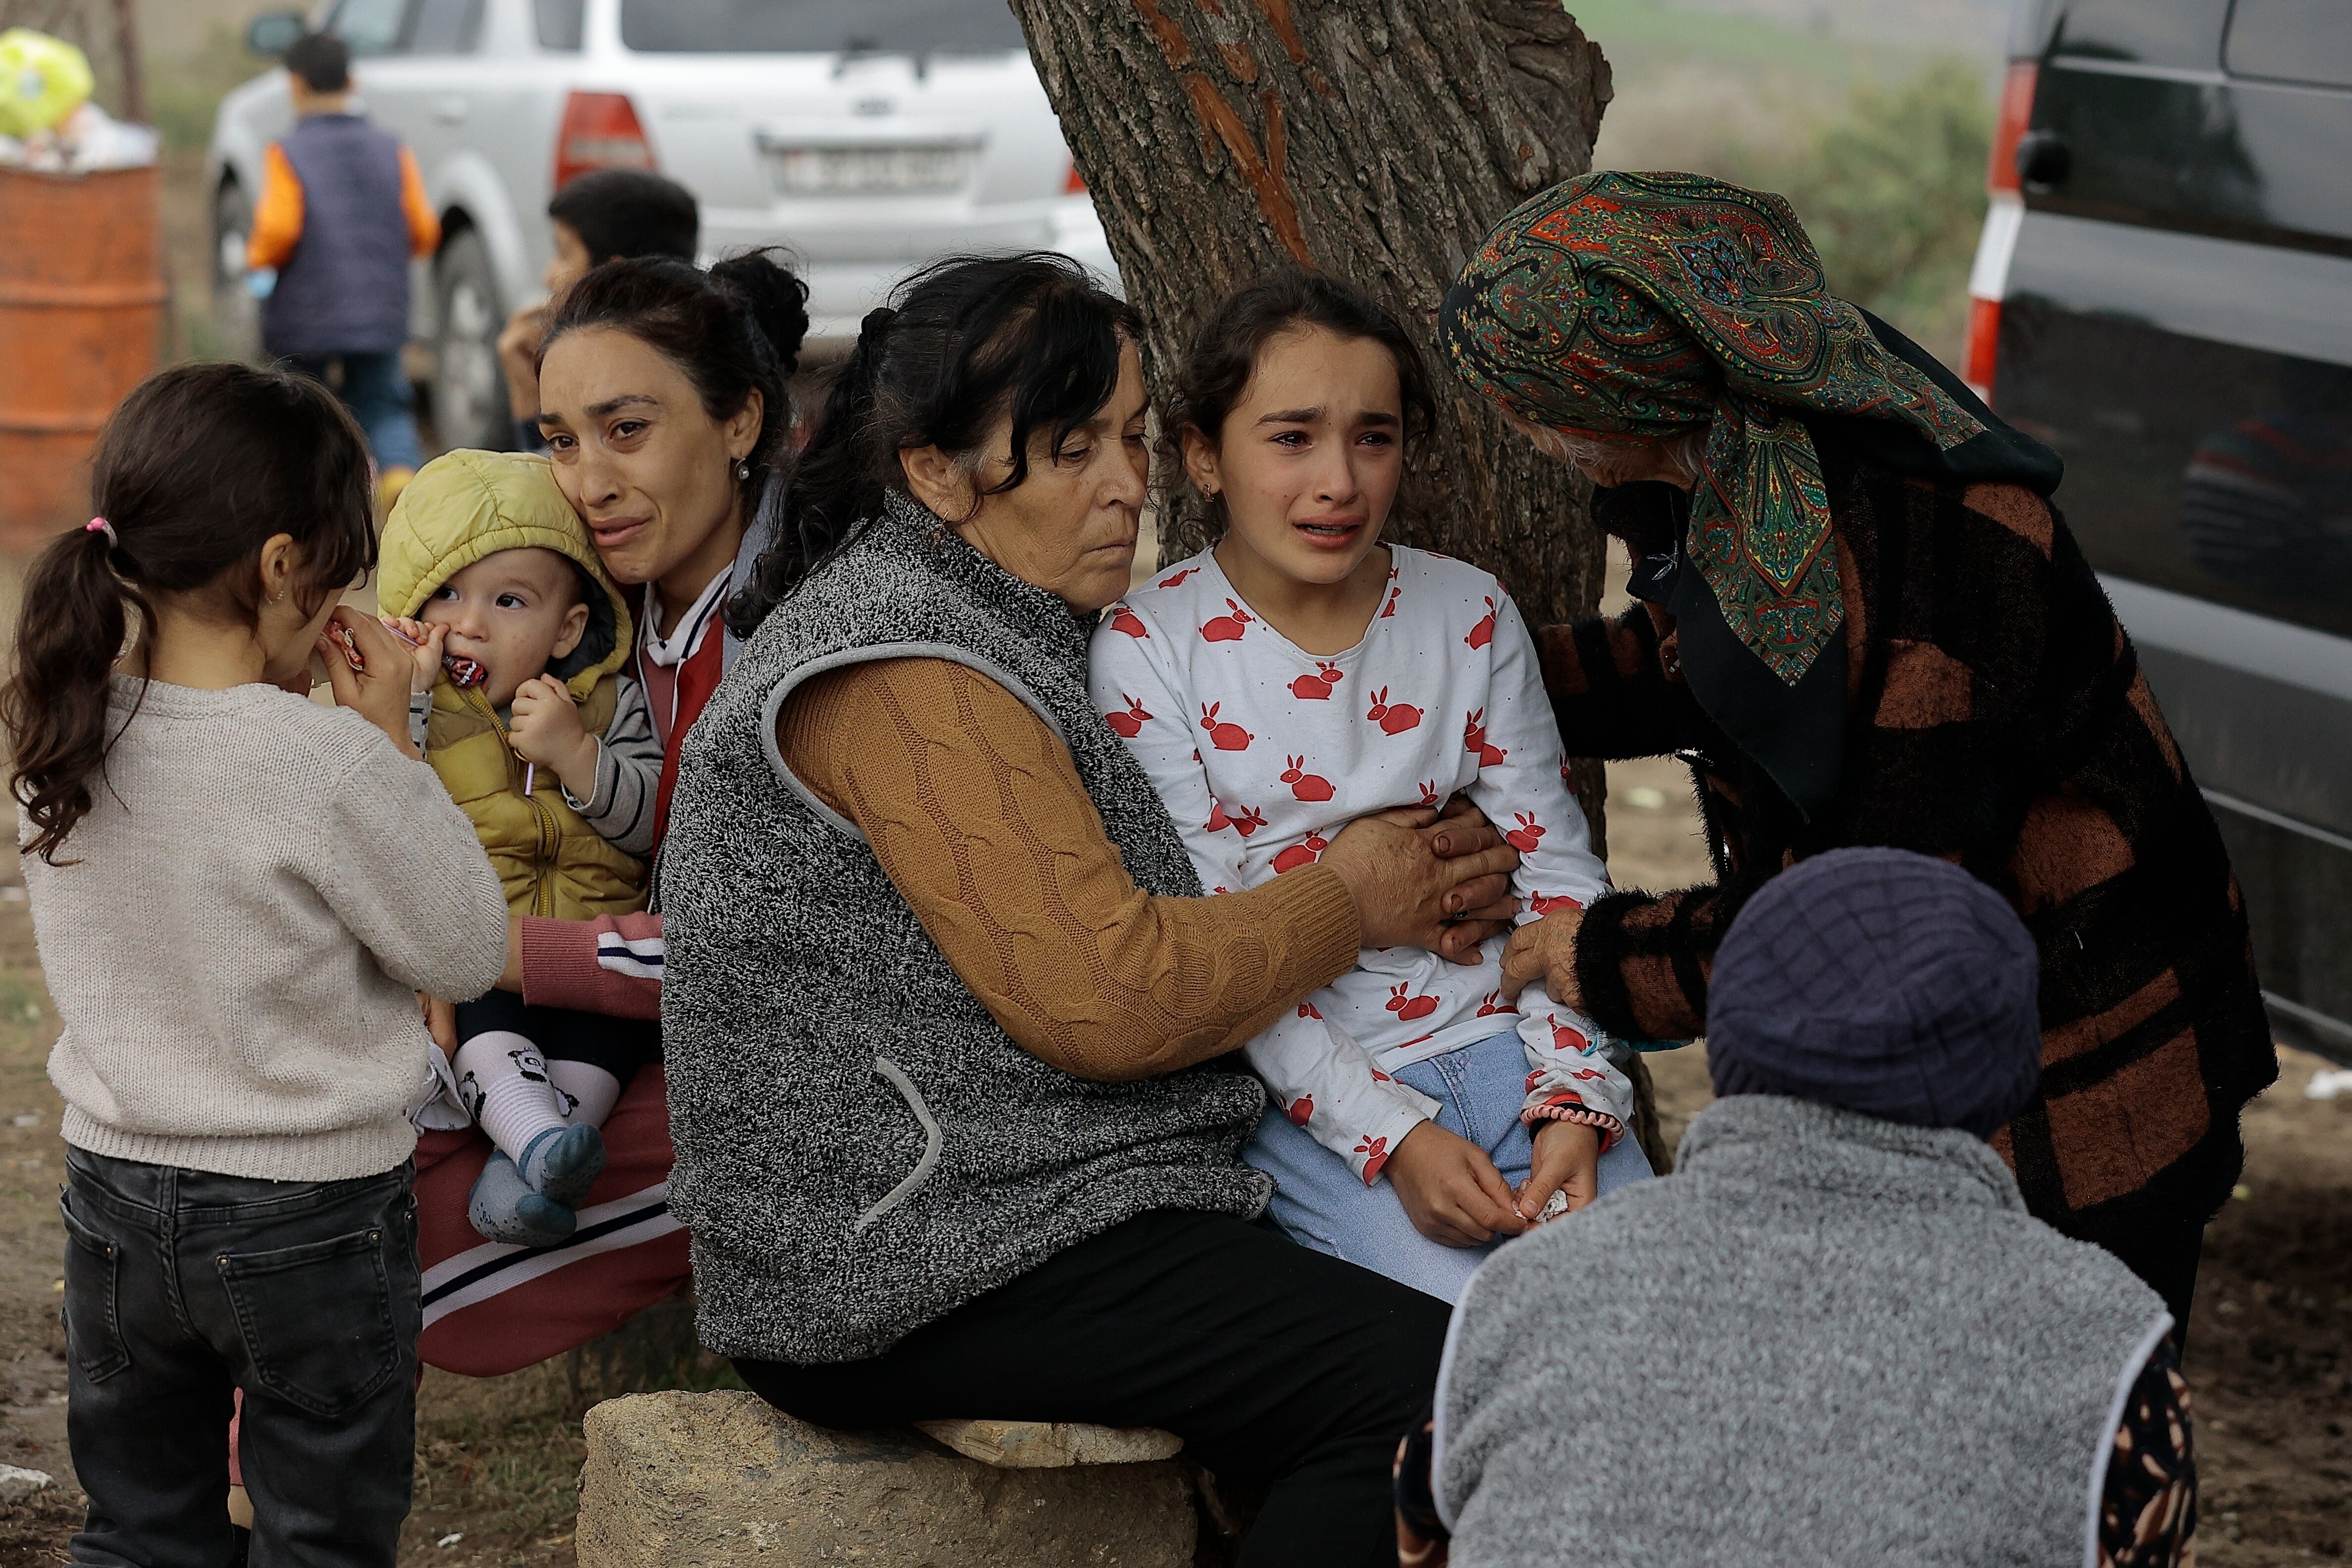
(677, 1479)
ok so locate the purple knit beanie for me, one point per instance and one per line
(1883, 982)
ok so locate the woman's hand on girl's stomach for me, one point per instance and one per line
(1406, 895)
(1567, 1159)
(1470, 833)
(1545, 951)
(1450, 1189)
(370, 671)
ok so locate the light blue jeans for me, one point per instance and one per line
(1480, 1089)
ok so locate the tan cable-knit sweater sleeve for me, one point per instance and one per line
(975, 808)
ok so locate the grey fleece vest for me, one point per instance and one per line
(1825, 1338)
(861, 1148)
(345, 288)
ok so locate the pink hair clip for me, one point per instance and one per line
(100, 525)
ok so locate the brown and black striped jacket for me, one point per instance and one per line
(1995, 716)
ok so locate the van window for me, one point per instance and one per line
(2184, 35)
(371, 26)
(820, 27)
(446, 27)
(2293, 40)
(561, 23)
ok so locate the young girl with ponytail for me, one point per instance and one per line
(237, 894)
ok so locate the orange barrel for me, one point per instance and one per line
(81, 307)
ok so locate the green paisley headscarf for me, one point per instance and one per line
(1651, 305)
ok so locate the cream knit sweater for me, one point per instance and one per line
(260, 889)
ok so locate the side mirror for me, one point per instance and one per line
(273, 32)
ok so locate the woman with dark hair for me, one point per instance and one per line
(944, 1000)
(664, 405)
(1865, 623)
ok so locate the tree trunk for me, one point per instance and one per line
(1377, 140)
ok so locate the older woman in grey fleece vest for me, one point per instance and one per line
(1847, 1341)
(947, 1016)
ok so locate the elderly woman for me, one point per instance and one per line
(944, 1001)
(1863, 623)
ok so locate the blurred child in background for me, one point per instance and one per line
(342, 209)
(598, 217)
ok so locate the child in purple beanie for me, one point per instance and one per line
(1852, 1342)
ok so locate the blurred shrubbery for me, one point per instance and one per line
(1892, 190)
(184, 90)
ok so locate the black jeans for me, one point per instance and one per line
(2164, 1254)
(181, 1285)
(1281, 1368)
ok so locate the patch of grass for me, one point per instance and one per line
(518, 1479)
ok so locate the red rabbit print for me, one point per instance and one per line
(1248, 821)
(1227, 628)
(1585, 1075)
(1389, 609)
(1394, 717)
(1303, 784)
(1544, 903)
(1379, 1076)
(1306, 1010)
(1429, 792)
(1306, 852)
(1484, 632)
(1564, 1038)
(1225, 737)
(1375, 1151)
(1524, 836)
(1218, 821)
(1178, 580)
(1127, 726)
(1493, 1003)
(1300, 1111)
(1473, 739)
(1317, 687)
(1123, 619)
(1408, 1008)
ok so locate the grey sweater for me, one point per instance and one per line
(236, 933)
(1826, 1339)
(861, 1148)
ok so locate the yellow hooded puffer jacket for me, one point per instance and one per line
(461, 507)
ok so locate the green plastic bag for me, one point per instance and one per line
(42, 81)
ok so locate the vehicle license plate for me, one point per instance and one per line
(866, 171)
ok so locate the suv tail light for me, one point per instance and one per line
(600, 131)
(1988, 278)
(1074, 183)
(2016, 114)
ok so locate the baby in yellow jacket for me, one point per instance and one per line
(524, 708)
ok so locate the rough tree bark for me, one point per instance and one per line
(1377, 140)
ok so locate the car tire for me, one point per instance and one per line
(470, 390)
(236, 314)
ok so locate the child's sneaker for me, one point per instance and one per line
(562, 1163)
(504, 1207)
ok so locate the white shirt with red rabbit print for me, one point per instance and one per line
(1264, 752)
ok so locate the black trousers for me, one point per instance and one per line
(182, 1286)
(1282, 1370)
(2165, 1255)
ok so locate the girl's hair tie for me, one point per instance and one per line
(100, 525)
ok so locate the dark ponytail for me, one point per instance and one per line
(1032, 339)
(196, 470)
(732, 331)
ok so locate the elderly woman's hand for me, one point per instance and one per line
(1409, 895)
(1545, 950)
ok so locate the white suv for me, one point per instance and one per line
(866, 136)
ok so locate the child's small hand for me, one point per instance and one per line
(426, 644)
(1450, 1189)
(1567, 1160)
(546, 730)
